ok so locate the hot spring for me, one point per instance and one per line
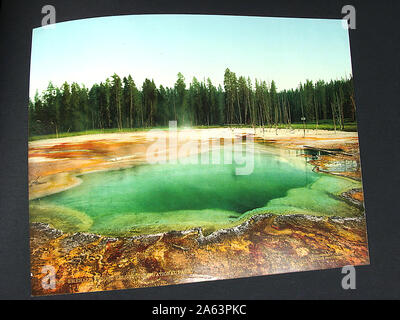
(149, 199)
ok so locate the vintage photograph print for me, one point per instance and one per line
(167, 149)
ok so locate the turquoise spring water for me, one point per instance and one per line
(163, 197)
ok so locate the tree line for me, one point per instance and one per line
(119, 103)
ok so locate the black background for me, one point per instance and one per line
(375, 48)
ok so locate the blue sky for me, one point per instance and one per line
(286, 50)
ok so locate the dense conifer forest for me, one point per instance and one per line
(118, 103)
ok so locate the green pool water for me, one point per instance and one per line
(163, 197)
